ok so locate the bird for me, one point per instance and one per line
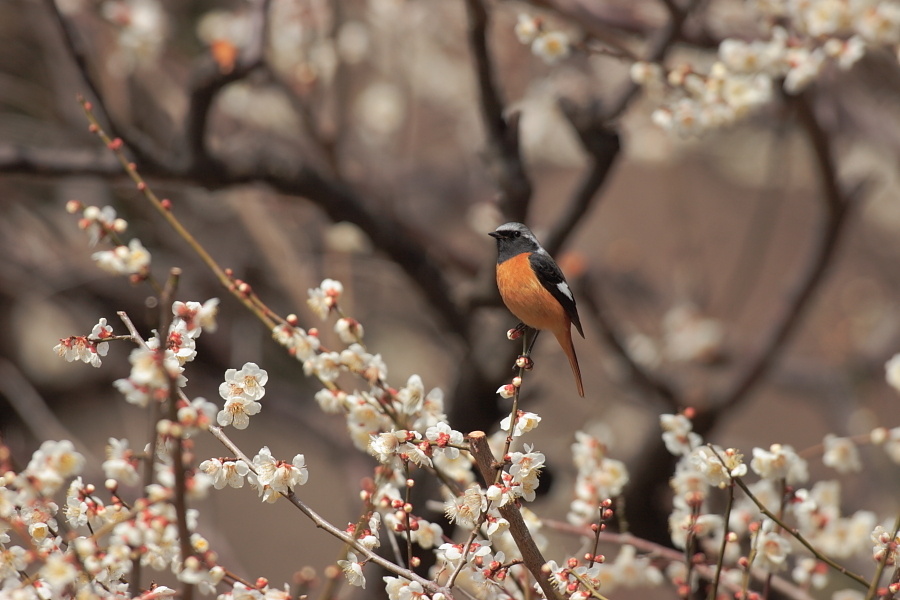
(535, 291)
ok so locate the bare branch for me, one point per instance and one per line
(836, 207)
(209, 79)
(140, 145)
(531, 556)
(503, 156)
(602, 145)
(57, 162)
(642, 378)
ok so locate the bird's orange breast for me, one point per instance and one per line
(527, 298)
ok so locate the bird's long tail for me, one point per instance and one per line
(565, 341)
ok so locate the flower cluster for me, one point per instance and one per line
(241, 391)
(803, 39)
(599, 478)
(86, 348)
(156, 364)
(551, 46)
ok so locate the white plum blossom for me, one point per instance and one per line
(279, 475)
(323, 298)
(841, 454)
(718, 466)
(99, 222)
(197, 415)
(248, 382)
(196, 316)
(326, 366)
(352, 569)
(772, 548)
(132, 259)
(412, 396)
(464, 510)
(678, 434)
(892, 371)
(527, 28)
(442, 435)
(551, 46)
(779, 462)
(349, 330)
(81, 348)
(225, 472)
(120, 463)
(237, 412)
(299, 343)
(525, 422)
(53, 463)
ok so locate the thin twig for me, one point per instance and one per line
(503, 154)
(873, 588)
(321, 523)
(799, 537)
(720, 560)
(783, 586)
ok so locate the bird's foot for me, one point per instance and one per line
(517, 331)
(524, 362)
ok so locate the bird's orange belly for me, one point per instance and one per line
(526, 298)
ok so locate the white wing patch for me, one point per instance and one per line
(561, 286)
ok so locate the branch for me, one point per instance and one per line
(531, 555)
(658, 47)
(140, 145)
(503, 156)
(208, 81)
(602, 145)
(707, 572)
(836, 207)
(321, 523)
(644, 379)
(57, 162)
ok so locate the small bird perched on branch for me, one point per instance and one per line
(535, 290)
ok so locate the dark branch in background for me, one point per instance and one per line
(56, 162)
(503, 155)
(141, 147)
(336, 199)
(208, 81)
(652, 472)
(836, 208)
(602, 146)
(658, 47)
(643, 379)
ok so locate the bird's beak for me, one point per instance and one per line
(494, 234)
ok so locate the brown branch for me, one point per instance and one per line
(503, 154)
(780, 584)
(645, 380)
(602, 145)
(57, 162)
(141, 146)
(836, 208)
(531, 555)
(209, 79)
(658, 47)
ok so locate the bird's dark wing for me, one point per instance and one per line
(554, 281)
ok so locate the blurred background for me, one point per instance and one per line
(749, 272)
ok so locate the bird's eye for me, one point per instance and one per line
(517, 233)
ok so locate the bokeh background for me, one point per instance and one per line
(749, 272)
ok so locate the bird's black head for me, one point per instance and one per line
(514, 239)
